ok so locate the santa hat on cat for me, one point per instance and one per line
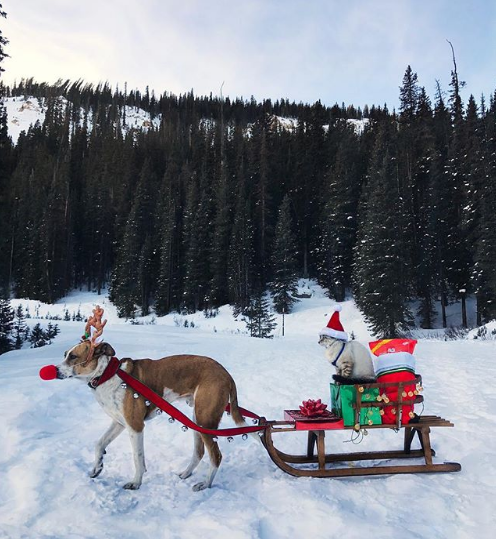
(334, 328)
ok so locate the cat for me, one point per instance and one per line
(350, 358)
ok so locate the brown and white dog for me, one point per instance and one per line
(201, 381)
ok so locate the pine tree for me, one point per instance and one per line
(260, 323)
(459, 261)
(338, 222)
(380, 269)
(20, 331)
(197, 234)
(3, 41)
(218, 290)
(5, 171)
(409, 93)
(484, 207)
(38, 337)
(6, 327)
(51, 332)
(6, 162)
(284, 264)
(259, 173)
(130, 286)
(424, 250)
(170, 231)
(439, 202)
(307, 181)
(241, 248)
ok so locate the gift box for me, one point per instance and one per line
(343, 400)
(394, 361)
(408, 396)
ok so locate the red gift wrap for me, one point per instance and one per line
(394, 362)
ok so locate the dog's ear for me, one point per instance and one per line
(104, 348)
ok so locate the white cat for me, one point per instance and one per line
(351, 359)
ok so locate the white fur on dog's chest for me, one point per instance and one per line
(110, 397)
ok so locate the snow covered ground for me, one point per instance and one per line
(48, 431)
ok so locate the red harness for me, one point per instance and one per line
(114, 367)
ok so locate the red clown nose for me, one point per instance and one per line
(48, 372)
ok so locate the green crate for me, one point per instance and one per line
(344, 396)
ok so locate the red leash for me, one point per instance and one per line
(114, 368)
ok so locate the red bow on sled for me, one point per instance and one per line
(311, 408)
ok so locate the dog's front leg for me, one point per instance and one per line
(139, 459)
(108, 437)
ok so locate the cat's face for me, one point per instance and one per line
(326, 341)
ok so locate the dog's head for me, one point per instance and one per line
(79, 362)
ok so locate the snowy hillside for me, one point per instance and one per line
(291, 124)
(24, 111)
(48, 431)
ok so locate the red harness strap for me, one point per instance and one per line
(114, 368)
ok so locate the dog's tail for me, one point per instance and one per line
(236, 414)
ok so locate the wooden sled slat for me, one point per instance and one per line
(316, 464)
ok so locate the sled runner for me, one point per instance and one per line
(324, 464)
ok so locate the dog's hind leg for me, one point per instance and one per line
(215, 459)
(209, 409)
(136, 438)
(198, 452)
(108, 437)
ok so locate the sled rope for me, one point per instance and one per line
(114, 368)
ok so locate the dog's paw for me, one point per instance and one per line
(132, 486)
(97, 470)
(185, 474)
(200, 486)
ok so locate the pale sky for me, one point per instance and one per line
(352, 51)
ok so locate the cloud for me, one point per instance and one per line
(355, 51)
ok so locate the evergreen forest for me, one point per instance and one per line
(218, 200)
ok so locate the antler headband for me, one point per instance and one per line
(94, 329)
